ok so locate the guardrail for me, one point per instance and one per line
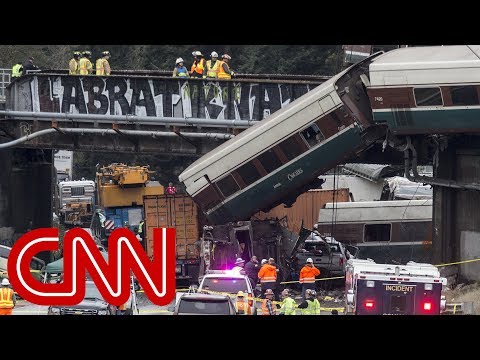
(5, 77)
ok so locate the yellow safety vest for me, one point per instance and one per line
(100, 66)
(85, 66)
(212, 72)
(288, 306)
(73, 67)
(17, 70)
(140, 227)
(6, 298)
(313, 308)
(221, 73)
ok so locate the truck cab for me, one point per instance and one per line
(389, 289)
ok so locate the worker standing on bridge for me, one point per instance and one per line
(211, 68)
(198, 64)
(85, 64)
(307, 277)
(102, 65)
(74, 63)
(17, 70)
(180, 69)
(224, 71)
(29, 65)
(7, 298)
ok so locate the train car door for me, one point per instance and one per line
(399, 299)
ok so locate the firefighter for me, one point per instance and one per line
(7, 298)
(198, 65)
(224, 71)
(211, 68)
(288, 305)
(74, 63)
(267, 304)
(102, 65)
(242, 306)
(268, 276)
(307, 276)
(239, 266)
(17, 70)
(180, 70)
(85, 65)
(311, 306)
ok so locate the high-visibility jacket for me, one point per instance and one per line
(221, 72)
(6, 298)
(102, 67)
(17, 70)
(197, 67)
(73, 66)
(313, 307)
(212, 71)
(268, 273)
(265, 308)
(242, 306)
(123, 307)
(85, 66)
(140, 227)
(307, 275)
(288, 306)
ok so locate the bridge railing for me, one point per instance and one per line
(5, 76)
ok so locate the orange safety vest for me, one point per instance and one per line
(102, 66)
(265, 308)
(6, 298)
(307, 275)
(85, 66)
(242, 306)
(212, 72)
(198, 66)
(268, 273)
(221, 73)
(123, 307)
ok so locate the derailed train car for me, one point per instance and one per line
(282, 156)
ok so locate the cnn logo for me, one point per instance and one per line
(81, 254)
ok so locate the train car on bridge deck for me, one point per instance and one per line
(282, 156)
(422, 90)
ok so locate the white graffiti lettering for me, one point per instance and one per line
(294, 174)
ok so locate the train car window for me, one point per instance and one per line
(312, 135)
(208, 198)
(464, 95)
(228, 186)
(377, 232)
(249, 173)
(428, 96)
(269, 161)
(291, 148)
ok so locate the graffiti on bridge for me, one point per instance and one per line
(161, 97)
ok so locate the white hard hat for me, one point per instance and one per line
(214, 54)
(264, 261)
(179, 60)
(239, 261)
(309, 260)
(5, 282)
(197, 53)
(226, 56)
(315, 226)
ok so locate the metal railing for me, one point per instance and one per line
(5, 77)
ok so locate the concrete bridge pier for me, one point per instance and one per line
(456, 219)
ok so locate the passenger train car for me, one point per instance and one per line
(282, 156)
(434, 89)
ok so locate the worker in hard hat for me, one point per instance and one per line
(310, 306)
(198, 64)
(7, 298)
(85, 64)
(239, 267)
(102, 65)
(241, 304)
(211, 68)
(307, 276)
(288, 304)
(74, 63)
(267, 304)
(268, 276)
(224, 71)
(180, 70)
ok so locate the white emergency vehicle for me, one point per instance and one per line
(388, 289)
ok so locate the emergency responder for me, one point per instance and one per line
(264, 261)
(268, 276)
(85, 65)
(140, 230)
(239, 266)
(241, 304)
(224, 71)
(29, 65)
(7, 298)
(17, 70)
(171, 190)
(198, 64)
(74, 63)
(180, 70)
(288, 305)
(267, 304)
(311, 305)
(211, 68)
(251, 269)
(307, 276)
(102, 65)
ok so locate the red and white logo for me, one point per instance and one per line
(125, 254)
